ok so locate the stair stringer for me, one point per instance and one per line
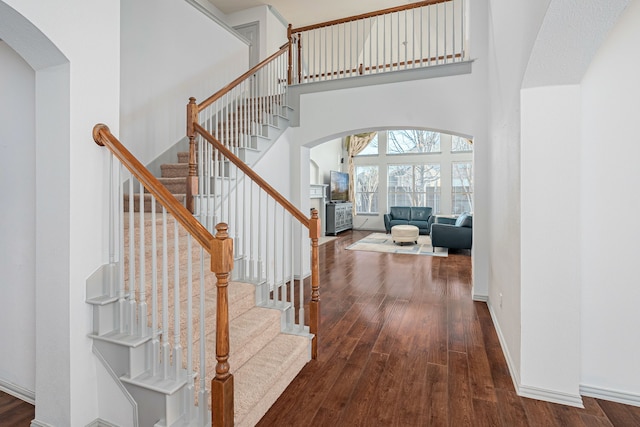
(112, 406)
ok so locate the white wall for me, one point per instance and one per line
(550, 244)
(273, 33)
(327, 156)
(17, 221)
(170, 52)
(74, 48)
(513, 27)
(610, 234)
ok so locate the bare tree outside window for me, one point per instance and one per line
(412, 141)
(459, 143)
(414, 185)
(461, 187)
(366, 183)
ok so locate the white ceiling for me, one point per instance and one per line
(306, 12)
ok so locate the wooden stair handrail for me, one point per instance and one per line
(295, 212)
(103, 137)
(367, 15)
(219, 94)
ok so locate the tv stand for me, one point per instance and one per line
(339, 217)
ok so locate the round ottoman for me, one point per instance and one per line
(404, 233)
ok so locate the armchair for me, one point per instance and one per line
(452, 233)
(409, 215)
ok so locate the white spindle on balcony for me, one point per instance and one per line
(390, 40)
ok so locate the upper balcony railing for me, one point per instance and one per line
(417, 35)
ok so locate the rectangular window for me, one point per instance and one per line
(366, 186)
(412, 141)
(460, 144)
(414, 185)
(461, 187)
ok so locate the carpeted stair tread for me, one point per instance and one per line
(175, 170)
(260, 381)
(250, 332)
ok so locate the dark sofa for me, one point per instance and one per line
(452, 233)
(409, 215)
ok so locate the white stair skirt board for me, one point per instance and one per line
(17, 391)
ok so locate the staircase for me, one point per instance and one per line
(248, 138)
(157, 305)
(263, 359)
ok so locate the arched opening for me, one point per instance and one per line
(34, 160)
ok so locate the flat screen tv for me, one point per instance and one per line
(339, 187)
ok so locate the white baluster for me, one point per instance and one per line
(429, 34)
(292, 284)
(191, 388)
(177, 347)
(303, 238)
(155, 343)
(132, 262)
(203, 394)
(121, 287)
(165, 299)
(259, 218)
(142, 304)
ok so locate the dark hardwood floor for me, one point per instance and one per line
(15, 412)
(401, 343)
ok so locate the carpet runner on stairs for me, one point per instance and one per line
(262, 359)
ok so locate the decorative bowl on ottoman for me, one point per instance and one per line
(404, 233)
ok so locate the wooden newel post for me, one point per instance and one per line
(290, 55)
(192, 178)
(222, 383)
(314, 304)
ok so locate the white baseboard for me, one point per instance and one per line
(18, 391)
(612, 395)
(100, 423)
(550, 396)
(480, 298)
(528, 391)
(36, 423)
(513, 369)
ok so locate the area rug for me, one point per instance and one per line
(381, 242)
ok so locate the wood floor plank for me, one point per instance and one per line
(436, 398)
(512, 412)
(485, 413)
(364, 393)
(620, 415)
(412, 392)
(15, 412)
(460, 403)
(382, 409)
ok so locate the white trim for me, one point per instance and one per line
(623, 397)
(36, 423)
(551, 396)
(480, 298)
(18, 392)
(219, 21)
(528, 391)
(100, 423)
(116, 379)
(513, 369)
(277, 14)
